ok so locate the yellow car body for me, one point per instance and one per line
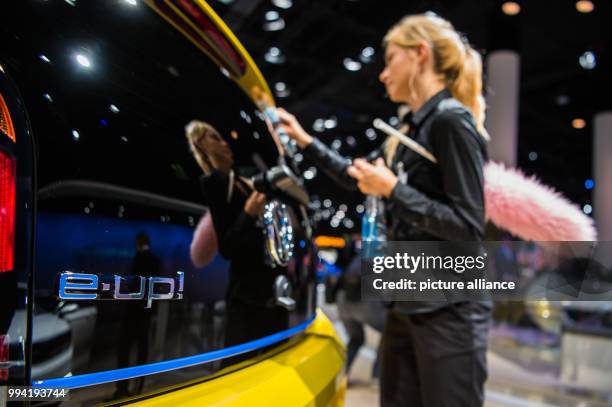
(306, 373)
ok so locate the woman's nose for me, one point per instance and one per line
(383, 75)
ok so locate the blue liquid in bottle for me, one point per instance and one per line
(373, 225)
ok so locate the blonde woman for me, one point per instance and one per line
(235, 207)
(433, 353)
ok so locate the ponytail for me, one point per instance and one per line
(454, 58)
(466, 87)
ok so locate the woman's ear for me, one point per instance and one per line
(423, 53)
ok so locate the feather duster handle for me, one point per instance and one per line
(531, 210)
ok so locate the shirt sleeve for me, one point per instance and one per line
(460, 156)
(333, 164)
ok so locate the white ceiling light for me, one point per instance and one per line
(331, 123)
(366, 55)
(348, 223)
(587, 60)
(281, 89)
(319, 125)
(272, 15)
(284, 4)
(367, 52)
(274, 25)
(310, 173)
(352, 65)
(274, 56)
(83, 60)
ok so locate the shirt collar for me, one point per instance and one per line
(415, 119)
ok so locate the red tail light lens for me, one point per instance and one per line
(4, 356)
(7, 211)
(6, 124)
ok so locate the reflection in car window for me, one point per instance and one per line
(114, 110)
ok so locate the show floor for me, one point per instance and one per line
(519, 376)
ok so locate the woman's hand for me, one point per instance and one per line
(254, 205)
(371, 179)
(293, 128)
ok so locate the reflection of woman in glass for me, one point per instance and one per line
(433, 352)
(235, 208)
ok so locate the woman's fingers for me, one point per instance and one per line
(287, 121)
(354, 172)
(284, 115)
(363, 187)
(363, 166)
(292, 127)
(257, 196)
(255, 203)
(361, 163)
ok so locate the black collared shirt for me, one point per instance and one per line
(437, 201)
(443, 200)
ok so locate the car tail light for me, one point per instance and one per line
(7, 211)
(6, 124)
(4, 357)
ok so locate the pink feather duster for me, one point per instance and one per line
(519, 204)
(530, 210)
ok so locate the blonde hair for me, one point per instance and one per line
(453, 57)
(215, 150)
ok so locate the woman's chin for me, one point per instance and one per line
(394, 98)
